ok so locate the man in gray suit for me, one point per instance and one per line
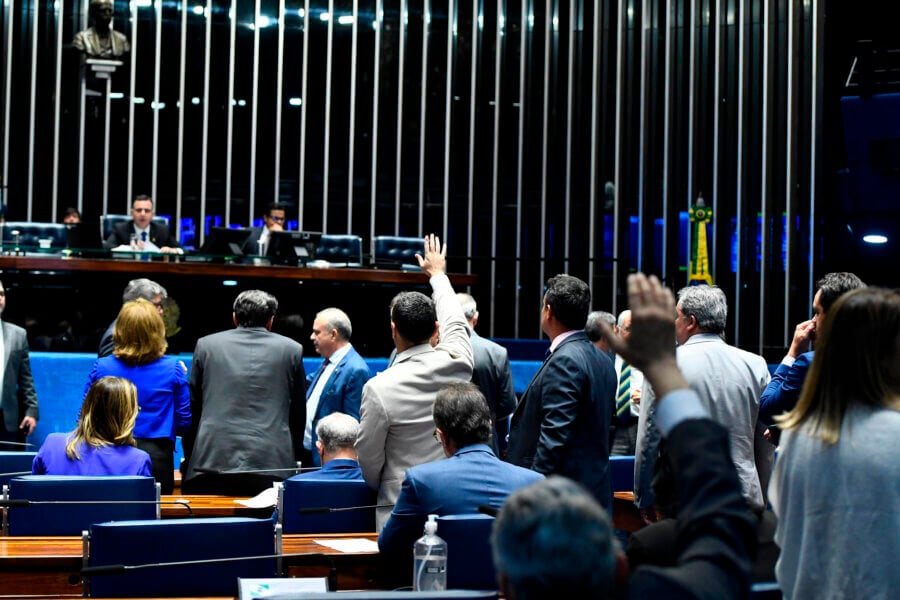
(396, 425)
(728, 381)
(491, 373)
(249, 404)
(19, 403)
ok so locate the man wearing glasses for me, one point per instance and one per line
(258, 242)
(141, 232)
(137, 288)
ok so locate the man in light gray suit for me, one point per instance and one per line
(249, 404)
(18, 403)
(491, 373)
(396, 425)
(728, 381)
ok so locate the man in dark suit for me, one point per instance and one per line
(150, 236)
(470, 476)
(336, 449)
(18, 400)
(491, 373)
(248, 401)
(337, 385)
(273, 220)
(137, 288)
(561, 425)
(552, 540)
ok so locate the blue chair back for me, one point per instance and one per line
(14, 462)
(340, 250)
(300, 493)
(30, 232)
(72, 519)
(470, 564)
(173, 540)
(395, 251)
(621, 470)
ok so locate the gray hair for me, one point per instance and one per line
(468, 304)
(552, 539)
(254, 308)
(143, 288)
(337, 431)
(592, 327)
(707, 304)
(622, 316)
(337, 320)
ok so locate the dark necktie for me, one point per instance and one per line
(623, 397)
(315, 380)
(143, 236)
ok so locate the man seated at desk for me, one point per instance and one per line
(149, 237)
(336, 445)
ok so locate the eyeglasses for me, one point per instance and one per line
(437, 437)
(277, 219)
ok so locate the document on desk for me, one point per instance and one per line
(350, 546)
(266, 588)
(267, 498)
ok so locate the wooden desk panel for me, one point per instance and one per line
(209, 506)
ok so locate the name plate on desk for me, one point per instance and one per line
(248, 589)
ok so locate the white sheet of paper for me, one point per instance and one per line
(350, 546)
(265, 499)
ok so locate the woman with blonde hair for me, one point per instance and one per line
(836, 485)
(102, 442)
(139, 336)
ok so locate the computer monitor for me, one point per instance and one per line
(225, 241)
(293, 247)
(84, 238)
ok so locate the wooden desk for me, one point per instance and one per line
(209, 506)
(182, 267)
(50, 566)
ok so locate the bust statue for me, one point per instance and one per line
(101, 40)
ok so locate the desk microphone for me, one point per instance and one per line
(22, 502)
(20, 444)
(248, 471)
(316, 510)
(119, 569)
(488, 510)
(16, 473)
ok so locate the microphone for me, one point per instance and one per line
(247, 471)
(21, 444)
(488, 510)
(316, 510)
(119, 568)
(15, 473)
(22, 502)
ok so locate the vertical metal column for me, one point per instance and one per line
(279, 102)
(714, 199)
(301, 178)
(668, 8)
(33, 108)
(548, 28)
(520, 157)
(204, 151)
(617, 155)
(376, 87)
(254, 111)
(595, 143)
(7, 89)
(570, 75)
(155, 105)
(448, 112)
(739, 179)
(132, 86)
(789, 171)
(473, 102)
(326, 158)
(232, 15)
(423, 107)
(642, 131)
(179, 173)
(58, 23)
(400, 69)
(495, 183)
(764, 176)
(814, 132)
(354, 35)
(692, 61)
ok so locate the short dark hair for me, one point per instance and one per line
(462, 413)
(254, 308)
(835, 285)
(71, 211)
(570, 299)
(142, 198)
(414, 315)
(273, 206)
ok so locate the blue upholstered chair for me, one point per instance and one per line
(470, 564)
(621, 469)
(340, 250)
(396, 252)
(305, 493)
(13, 464)
(135, 543)
(31, 232)
(85, 500)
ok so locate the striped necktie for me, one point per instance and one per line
(623, 397)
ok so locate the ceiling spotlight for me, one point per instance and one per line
(875, 238)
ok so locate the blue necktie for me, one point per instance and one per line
(143, 236)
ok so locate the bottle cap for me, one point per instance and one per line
(431, 525)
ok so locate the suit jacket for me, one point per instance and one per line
(729, 382)
(396, 427)
(18, 399)
(342, 393)
(121, 234)
(454, 486)
(715, 529)
(783, 391)
(251, 246)
(337, 468)
(106, 342)
(561, 425)
(248, 402)
(493, 377)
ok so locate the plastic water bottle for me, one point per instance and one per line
(430, 560)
